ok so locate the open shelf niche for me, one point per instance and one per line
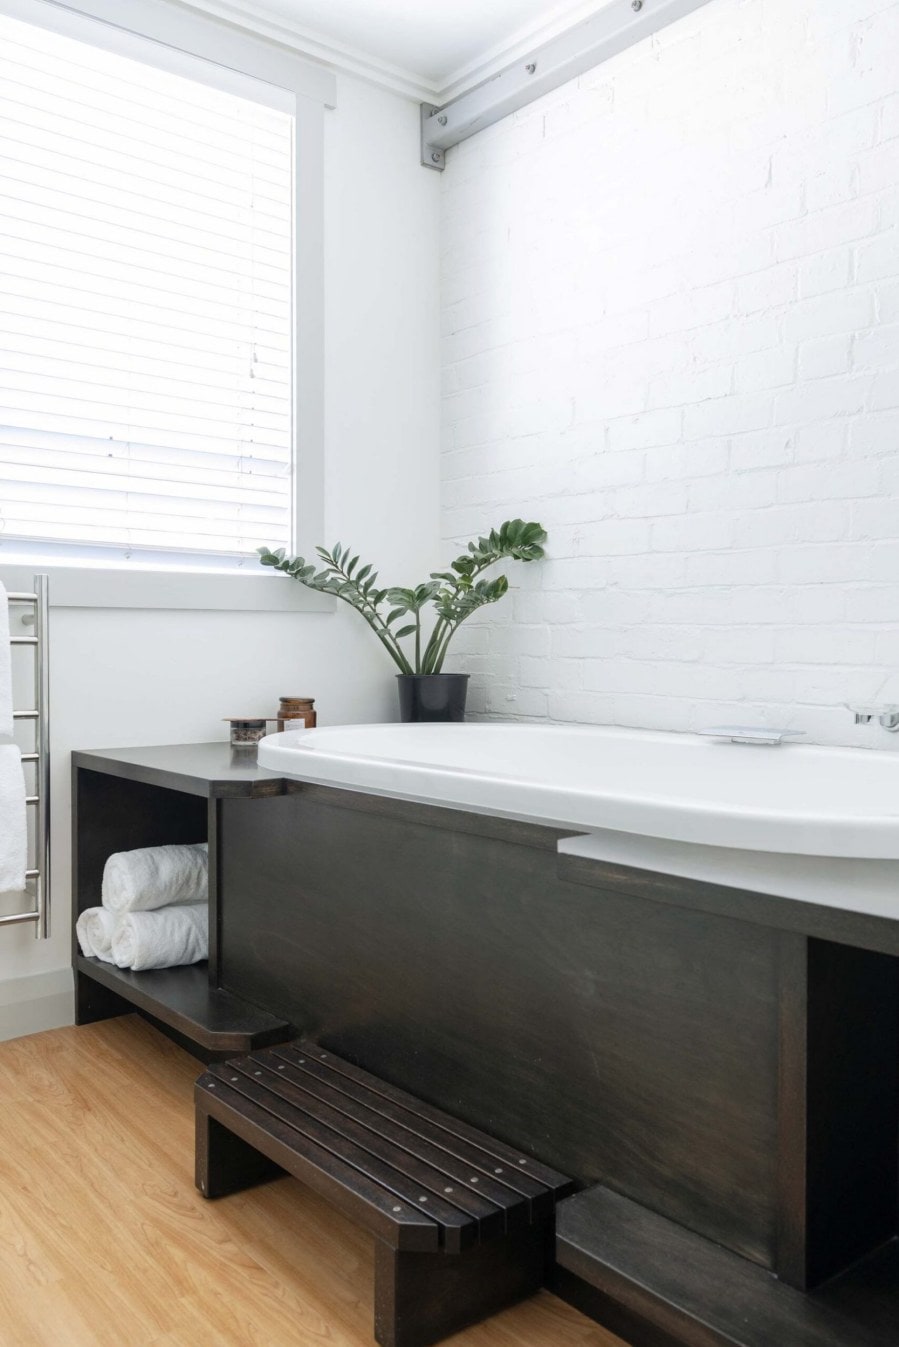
(144, 797)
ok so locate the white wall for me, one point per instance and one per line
(155, 677)
(671, 333)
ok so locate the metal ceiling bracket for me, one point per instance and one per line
(587, 44)
(431, 155)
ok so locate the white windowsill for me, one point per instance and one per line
(73, 586)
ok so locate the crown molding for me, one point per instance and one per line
(251, 17)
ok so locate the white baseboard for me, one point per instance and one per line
(29, 1005)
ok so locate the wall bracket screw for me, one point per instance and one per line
(636, 6)
(531, 67)
(432, 156)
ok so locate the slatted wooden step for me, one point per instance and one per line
(419, 1180)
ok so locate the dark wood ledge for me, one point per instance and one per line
(665, 1284)
(215, 771)
(843, 926)
(183, 999)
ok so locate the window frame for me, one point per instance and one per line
(78, 577)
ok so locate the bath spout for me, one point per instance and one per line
(751, 734)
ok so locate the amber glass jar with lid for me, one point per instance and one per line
(296, 711)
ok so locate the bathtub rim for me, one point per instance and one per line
(576, 809)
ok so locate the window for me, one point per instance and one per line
(147, 333)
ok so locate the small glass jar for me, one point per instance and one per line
(295, 712)
(246, 731)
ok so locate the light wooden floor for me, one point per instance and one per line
(104, 1240)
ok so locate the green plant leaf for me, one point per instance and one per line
(402, 598)
(455, 593)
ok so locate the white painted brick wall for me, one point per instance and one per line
(671, 333)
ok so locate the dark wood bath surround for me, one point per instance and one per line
(719, 1070)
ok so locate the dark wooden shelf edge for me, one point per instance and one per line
(182, 999)
(839, 925)
(632, 1268)
(207, 770)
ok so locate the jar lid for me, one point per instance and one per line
(310, 700)
(248, 720)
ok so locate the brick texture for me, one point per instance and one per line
(671, 333)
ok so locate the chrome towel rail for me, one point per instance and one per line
(39, 800)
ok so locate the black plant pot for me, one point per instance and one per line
(432, 696)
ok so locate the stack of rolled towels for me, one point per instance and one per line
(155, 912)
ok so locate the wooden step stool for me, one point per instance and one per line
(463, 1224)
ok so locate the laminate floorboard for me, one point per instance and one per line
(104, 1241)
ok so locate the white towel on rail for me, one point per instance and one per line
(150, 877)
(94, 929)
(6, 723)
(13, 827)
(166, 938)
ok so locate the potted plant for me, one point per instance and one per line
(426, 692)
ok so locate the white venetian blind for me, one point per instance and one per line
(146, 230)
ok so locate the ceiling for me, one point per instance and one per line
(430, 38)
(427, 48)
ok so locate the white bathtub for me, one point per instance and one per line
(792, 800)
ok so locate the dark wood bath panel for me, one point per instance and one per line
(623, 1040)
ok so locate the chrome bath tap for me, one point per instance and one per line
(886, 716)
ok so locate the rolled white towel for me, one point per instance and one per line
(166, 938)
(13, 827)
(95, 928)
(138, 881)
